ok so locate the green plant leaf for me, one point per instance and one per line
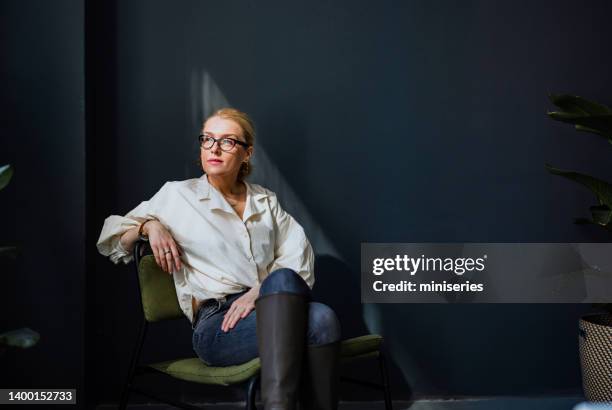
(594, 131)
(586, 115)
(22, 338)
(601, 214)
(601, 189)
(600, 124)
(6, 172)
(8, 251)
(573, 104)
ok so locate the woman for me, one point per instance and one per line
(243, 270)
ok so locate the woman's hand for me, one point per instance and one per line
(166, 250)
(240, 309)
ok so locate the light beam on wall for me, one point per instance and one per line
(206, 97)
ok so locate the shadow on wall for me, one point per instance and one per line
(331, 271)
(340, 288)
(442, 348)
(335, 284)
(206, 98)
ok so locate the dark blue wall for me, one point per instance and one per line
(392, 122)
(388, 121)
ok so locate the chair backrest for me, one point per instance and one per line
(157, 290)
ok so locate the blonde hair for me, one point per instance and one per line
(248, 132)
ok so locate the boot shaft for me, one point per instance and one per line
(281, 335)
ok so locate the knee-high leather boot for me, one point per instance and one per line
(321, 377)
(281, 335)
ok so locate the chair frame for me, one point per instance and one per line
(384, 385)
(136, 368)
(252, 384)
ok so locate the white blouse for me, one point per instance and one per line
(222, 254)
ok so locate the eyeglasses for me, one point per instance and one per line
(225, 143)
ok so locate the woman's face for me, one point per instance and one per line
(217, 162)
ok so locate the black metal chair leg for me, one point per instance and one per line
(252, 392)
(385, 381)
(133, 363)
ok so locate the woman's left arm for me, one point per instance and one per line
(292, 248)
(240, 308)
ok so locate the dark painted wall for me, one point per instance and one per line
(409, 122)
(395, 121)
(42, 134)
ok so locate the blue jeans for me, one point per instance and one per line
(218, 348)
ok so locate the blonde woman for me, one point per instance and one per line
(243, 270)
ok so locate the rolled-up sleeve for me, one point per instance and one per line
(292, 248)
(109, 243)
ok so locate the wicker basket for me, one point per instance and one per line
(595, 341)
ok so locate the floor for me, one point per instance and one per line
(489, 403)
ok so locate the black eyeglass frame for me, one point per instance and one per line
(217, 140)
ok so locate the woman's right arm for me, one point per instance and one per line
(112, 243)
(119, 233)
(165, 249)
(129, 238)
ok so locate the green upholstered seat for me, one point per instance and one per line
(358, 346)
(194, 370)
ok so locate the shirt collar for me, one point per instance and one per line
(253, 205)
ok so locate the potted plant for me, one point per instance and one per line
(24, 337)
(595, 329)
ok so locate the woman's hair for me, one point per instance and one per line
(248, 132)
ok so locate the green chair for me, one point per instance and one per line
(159, 303)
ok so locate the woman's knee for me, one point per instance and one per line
(217, 348)
(284, 280)
(323, 324)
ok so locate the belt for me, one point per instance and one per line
(208, 302)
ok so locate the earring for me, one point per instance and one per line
(246, 166)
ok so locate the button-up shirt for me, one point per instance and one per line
(222, 254)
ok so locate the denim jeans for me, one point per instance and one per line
(218, 348)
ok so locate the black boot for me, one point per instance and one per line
(321, 377)
(281, 335)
